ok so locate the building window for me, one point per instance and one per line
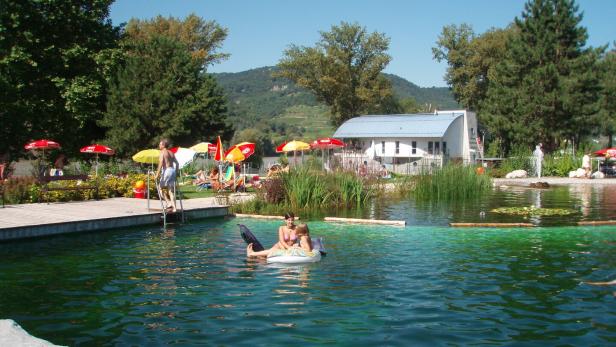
(397, 147)
(414, 147)
(430, 147)
(383, 147)
(437, 147)
(444, 147)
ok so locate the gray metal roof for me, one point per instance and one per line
(399, 125)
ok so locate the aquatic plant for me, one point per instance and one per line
(451, 182)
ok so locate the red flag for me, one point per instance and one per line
(219, 153)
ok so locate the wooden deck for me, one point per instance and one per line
(34, 220)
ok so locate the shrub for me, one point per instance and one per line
(18, 190)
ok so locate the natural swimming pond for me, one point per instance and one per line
(424, 284)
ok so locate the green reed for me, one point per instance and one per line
(453, 182)
(305, 188)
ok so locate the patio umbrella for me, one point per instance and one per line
(293, 146)
(148, 156)
(97, 149)
(42, 145)
(218, 155)
(183, 155)
(203, 147)
(240, 152)
(326, 143)
(611, 152)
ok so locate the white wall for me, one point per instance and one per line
(405, 149)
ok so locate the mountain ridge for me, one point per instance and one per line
(256, 99)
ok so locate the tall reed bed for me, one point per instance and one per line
(305, 189)
(452, 182)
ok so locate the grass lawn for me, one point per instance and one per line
(190, 192)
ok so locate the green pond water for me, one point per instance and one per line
(424, 284)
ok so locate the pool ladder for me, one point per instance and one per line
(163, 202)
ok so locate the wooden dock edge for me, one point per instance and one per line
(365, 221)
(259, 216)
(491, 225)
(597, 222)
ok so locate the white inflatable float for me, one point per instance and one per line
(292, 256)
(298, 255)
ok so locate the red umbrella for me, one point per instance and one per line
(218, 156)
(97, 149)
(42, 144)
(240, 152)
(611, 152)
(327, 143)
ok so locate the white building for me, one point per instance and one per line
(407, 142)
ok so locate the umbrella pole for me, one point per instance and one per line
(96, 169)
(148, 195)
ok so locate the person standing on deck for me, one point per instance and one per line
(169, 166)
(538, 154)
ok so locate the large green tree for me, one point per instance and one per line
(546, 88)
(51, 85)
(471, 60)
(203, 38)
(343, 70)
(607, 112)
(161, 91)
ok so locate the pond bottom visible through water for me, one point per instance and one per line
(378, 285)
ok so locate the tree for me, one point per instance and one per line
(203, 38)
(343, 70)
(50, 82)
(471, 60)
(546, 87)
(160, 91)
(607, 113)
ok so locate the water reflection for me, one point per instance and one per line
(588, 202)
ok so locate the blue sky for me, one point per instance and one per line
(259, 31)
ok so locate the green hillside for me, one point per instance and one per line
(277, 105)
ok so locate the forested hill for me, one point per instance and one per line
(255, 96)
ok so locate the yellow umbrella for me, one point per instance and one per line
(293, 146)
(147, 156)
(202, 147)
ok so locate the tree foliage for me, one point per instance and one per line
(160, 91)
(471, 60)
(607, 113)
(343, 70)
(203, 38)
(51, 83)
(546, 88)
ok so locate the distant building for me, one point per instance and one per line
(408, 142)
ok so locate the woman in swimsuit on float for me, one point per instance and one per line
(287, 236)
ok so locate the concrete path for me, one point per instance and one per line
(33, 220)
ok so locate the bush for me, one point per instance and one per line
(561, 165)
(19, 190)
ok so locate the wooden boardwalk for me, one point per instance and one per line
(34, 220)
